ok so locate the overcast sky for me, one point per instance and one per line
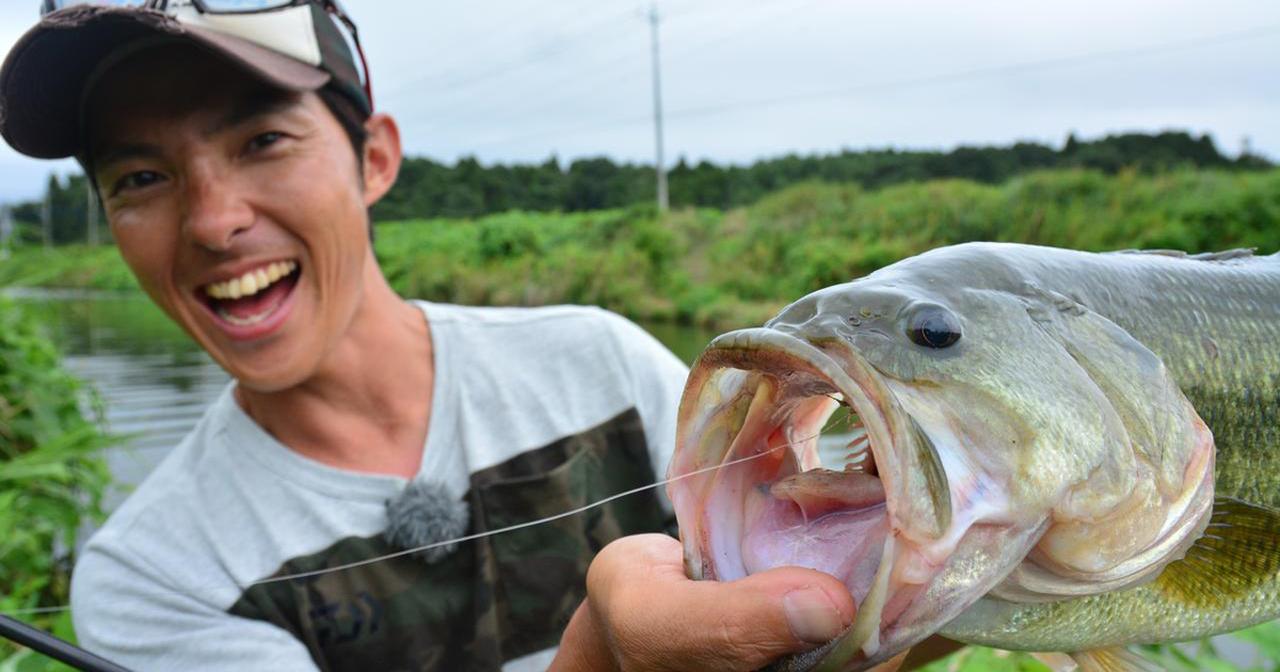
(520, 80)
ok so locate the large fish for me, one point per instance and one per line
(1053, 450)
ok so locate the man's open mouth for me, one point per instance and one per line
(248, 300)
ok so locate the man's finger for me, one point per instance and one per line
(658, 619)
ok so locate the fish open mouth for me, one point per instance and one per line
(809, 446)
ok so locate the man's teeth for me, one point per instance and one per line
(245, 321)
(252, 282)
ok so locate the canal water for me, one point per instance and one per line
(154, 381)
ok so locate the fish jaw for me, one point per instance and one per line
(752, 493)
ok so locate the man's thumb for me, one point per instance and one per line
(779, 612)
(657, 619)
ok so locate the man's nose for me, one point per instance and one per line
(217, 211)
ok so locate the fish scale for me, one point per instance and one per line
(1216, 326)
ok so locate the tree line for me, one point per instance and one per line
(428, 188)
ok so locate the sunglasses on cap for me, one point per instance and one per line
(231, 7)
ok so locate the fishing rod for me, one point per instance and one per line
(58, 649)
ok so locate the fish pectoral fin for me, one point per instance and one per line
(1112, 659)
(1239, 552)
(1057, 662)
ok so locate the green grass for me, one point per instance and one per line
(705, 267)
(1192, 657)
(737, 268)
(71, 266)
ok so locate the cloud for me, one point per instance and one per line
(518, 80)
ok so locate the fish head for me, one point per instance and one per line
(983, 455)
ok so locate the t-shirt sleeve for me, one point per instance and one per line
(126, 612)
(657, 382)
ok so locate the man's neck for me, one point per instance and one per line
(368, 406)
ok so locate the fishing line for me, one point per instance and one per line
(469, 537)
(520, 526)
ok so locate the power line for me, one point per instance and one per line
(742, 27)
(465, 40)
(608, 71)
(454, 81)
(976, 73)
(555, 85)
(769, 101)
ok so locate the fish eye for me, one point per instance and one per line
(934, 327)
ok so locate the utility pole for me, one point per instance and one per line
(46, 215)
(6, 230)
(659, 166)
(90, 211)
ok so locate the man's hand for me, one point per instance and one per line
(643, 613)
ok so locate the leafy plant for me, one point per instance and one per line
(52, 479)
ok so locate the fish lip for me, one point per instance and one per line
(773, 351)
(889, 427)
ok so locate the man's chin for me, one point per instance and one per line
(273, 380)
(267, 370)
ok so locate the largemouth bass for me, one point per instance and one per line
(1053, 450)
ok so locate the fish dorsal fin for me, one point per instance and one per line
(1223, 255)
(1113, 659)
(1240, 550)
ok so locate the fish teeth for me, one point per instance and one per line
(857, 453)
(251, 282)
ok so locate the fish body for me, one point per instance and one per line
(1044, 434)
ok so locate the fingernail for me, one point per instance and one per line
(812, 615)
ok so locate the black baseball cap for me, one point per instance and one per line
(47, 75)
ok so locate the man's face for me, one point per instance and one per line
(239, 208)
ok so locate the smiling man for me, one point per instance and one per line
(236, 152)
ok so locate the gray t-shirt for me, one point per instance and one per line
(534, 412)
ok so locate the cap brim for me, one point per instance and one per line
(44, 76)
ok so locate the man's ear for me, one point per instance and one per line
(382, 157)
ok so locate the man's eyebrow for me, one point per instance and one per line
(250, 108)
(124, 152)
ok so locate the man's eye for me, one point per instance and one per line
(265, 140)
(136, 180)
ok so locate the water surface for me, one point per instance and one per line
(154, 381)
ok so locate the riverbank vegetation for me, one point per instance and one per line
(469, 189)
(52, 480)
(724, 269)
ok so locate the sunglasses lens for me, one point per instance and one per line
(54, 5)
(243, 6)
